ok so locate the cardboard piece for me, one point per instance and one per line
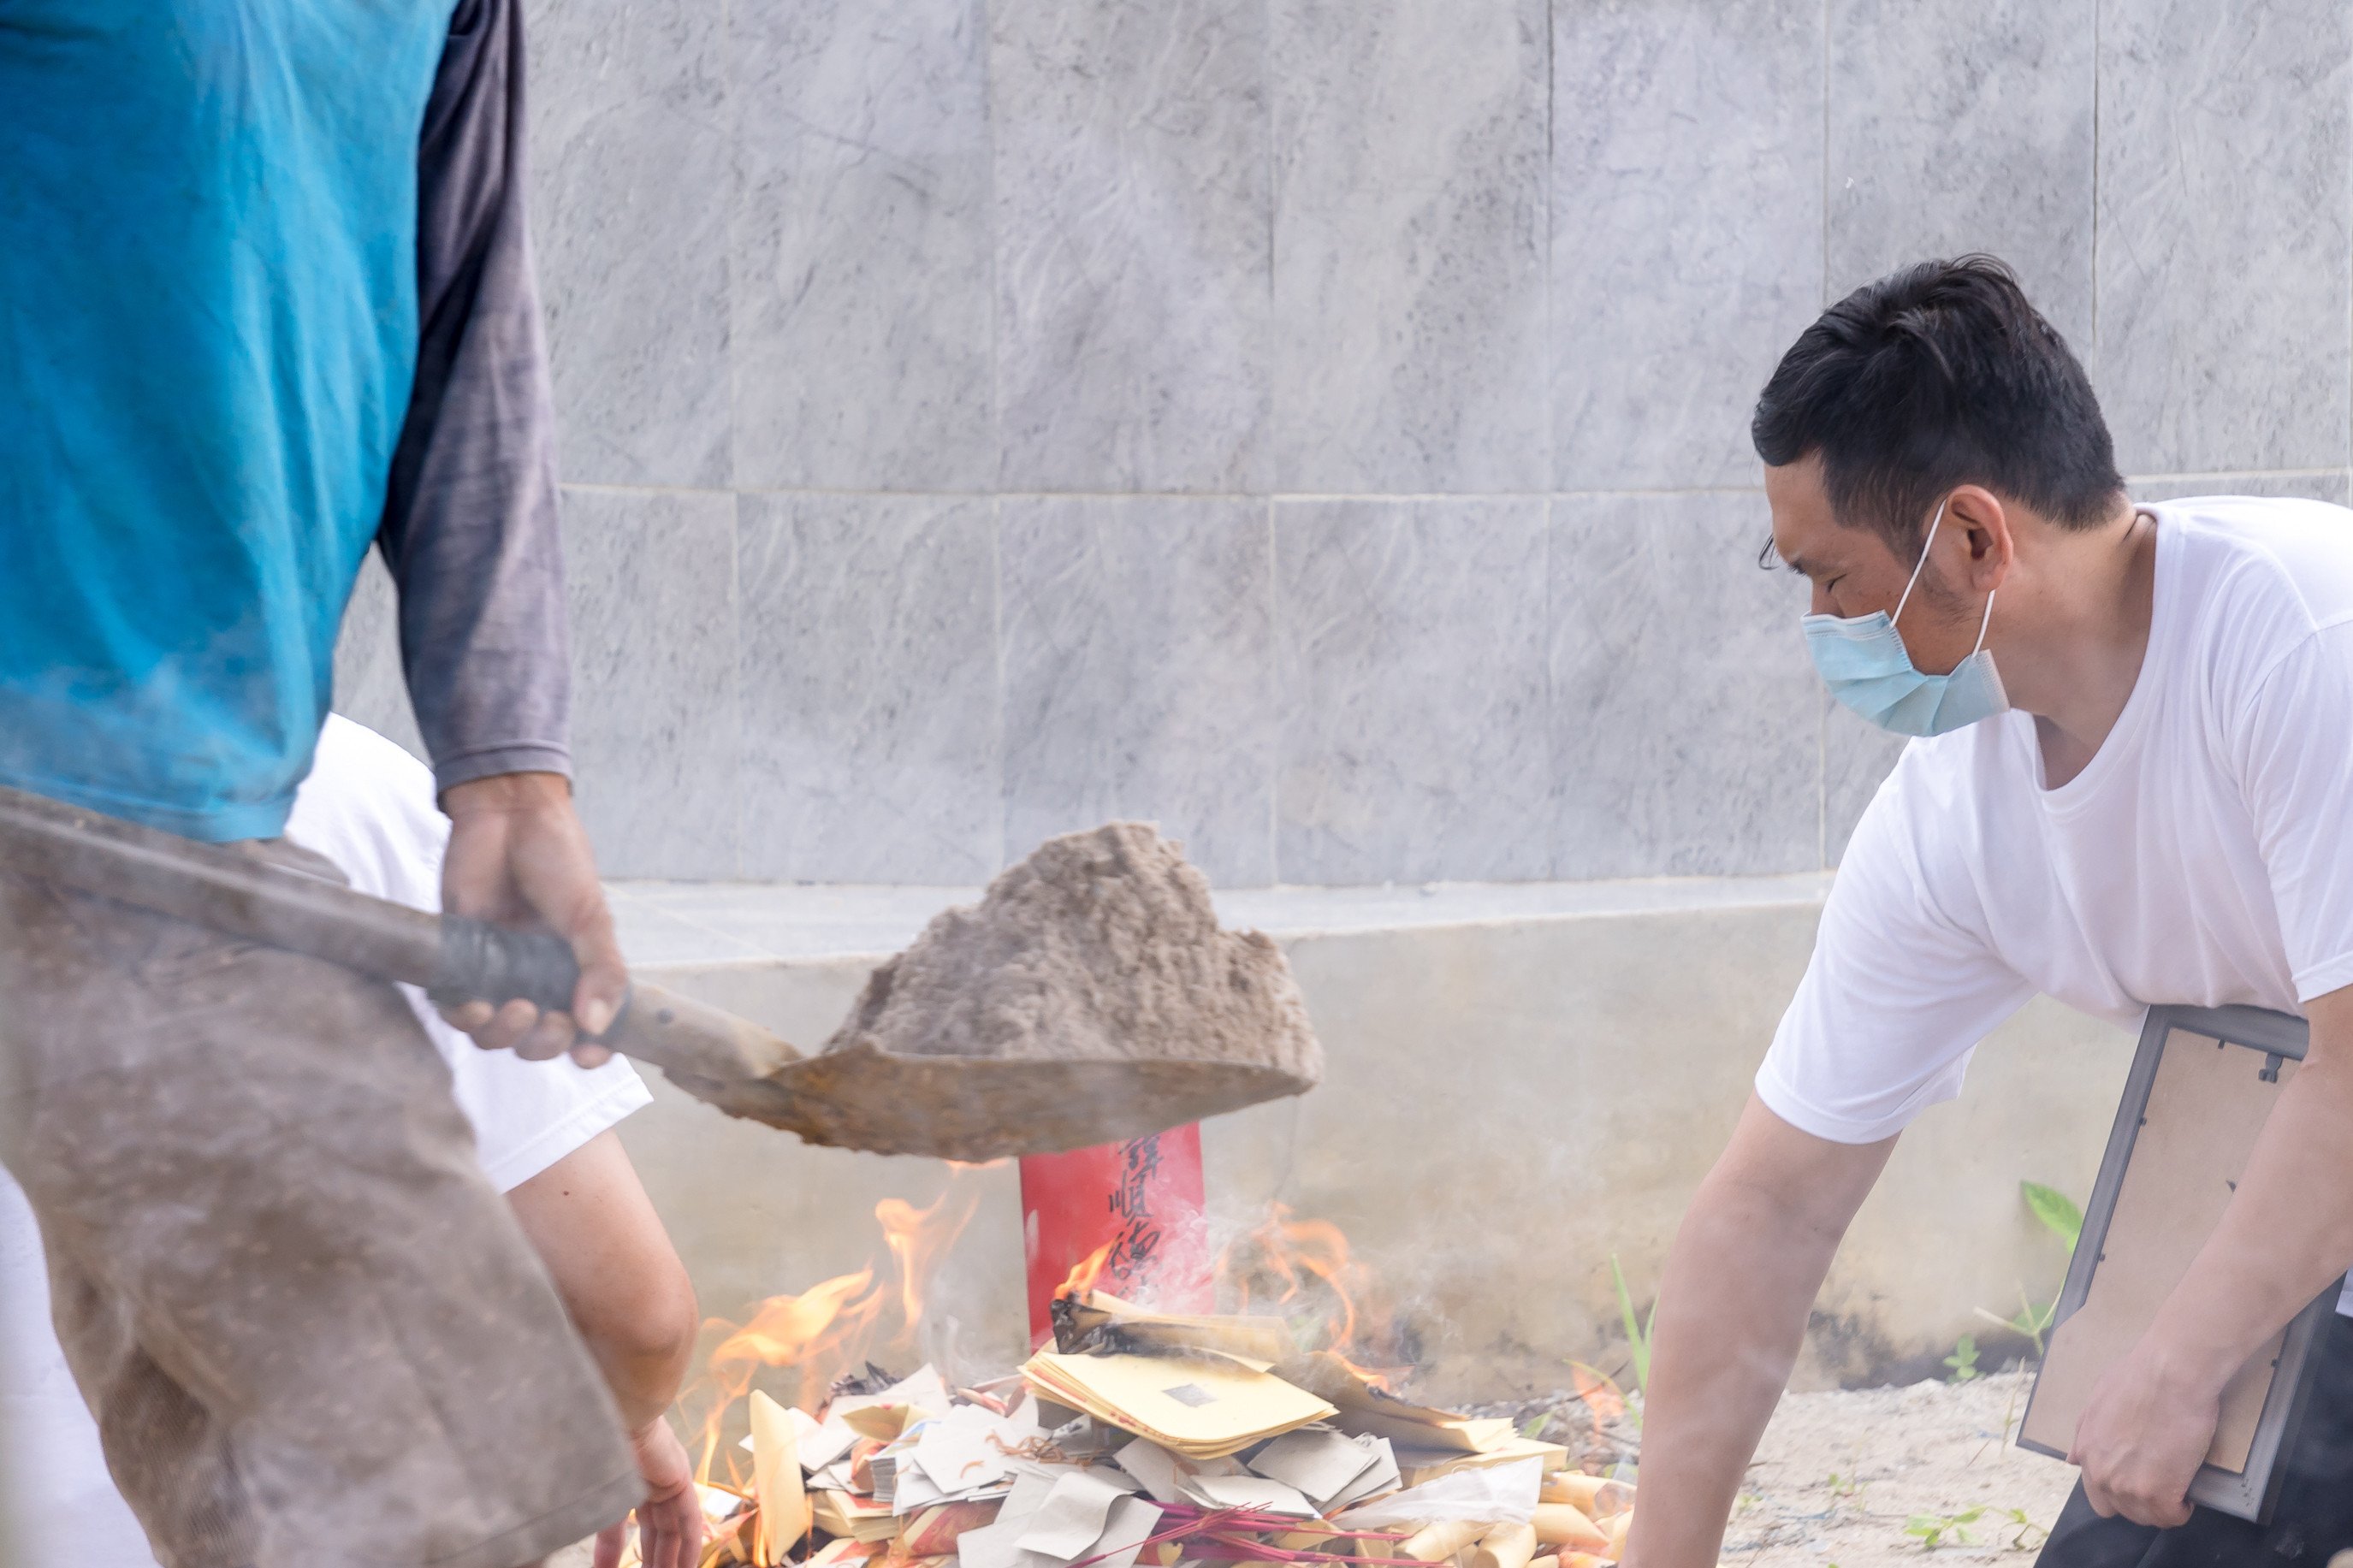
(1320, 1463)
(777, 1483)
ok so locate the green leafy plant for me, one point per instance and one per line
(1532, 1427)
(1637, 1334)
(1964, 1359)
(2028, 1535)
(1934, 1530)
(2056, 1210)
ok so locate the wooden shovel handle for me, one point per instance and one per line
(683, 1036)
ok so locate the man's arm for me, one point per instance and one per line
(2286, 1235)
(469, 532)
(589, 1219)
(1740, 1282)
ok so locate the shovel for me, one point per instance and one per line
(1057, 1039)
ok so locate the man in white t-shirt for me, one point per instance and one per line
(2132, 783)
(543, 1134)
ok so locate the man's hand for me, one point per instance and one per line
(670, 1522)
(519, 856)
(2143, 1436)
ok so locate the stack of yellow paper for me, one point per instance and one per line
(1203, 1405)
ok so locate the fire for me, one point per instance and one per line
(829, 1328)
(1305, 1264)
(1085, 1273)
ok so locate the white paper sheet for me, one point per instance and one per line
(1502, 1494)
(1072, 1517)
(1130, 1524)
(1161, 1472)
(1256, 1493)
(1317, 1460)
(1377, 1478)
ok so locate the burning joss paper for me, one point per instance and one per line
(1142, 1439)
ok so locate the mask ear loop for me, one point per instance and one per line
(1922, 563)
(1983, 624)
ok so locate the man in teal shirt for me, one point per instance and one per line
(265, 299)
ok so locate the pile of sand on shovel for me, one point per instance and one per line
(1089, 996)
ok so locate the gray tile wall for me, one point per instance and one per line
(1320, 425)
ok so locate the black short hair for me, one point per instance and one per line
(1940, 375)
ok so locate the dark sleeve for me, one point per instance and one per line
(469, 523)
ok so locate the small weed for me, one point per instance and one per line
(1638, 1335)
(1845, 1486)
(2029, 1535)
(1532, 1427)
(1932, 1529)
(2056, 1210)
(1964, 1359)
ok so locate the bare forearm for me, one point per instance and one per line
(1739, 1283)
(1740, 1280)
(612, 1263)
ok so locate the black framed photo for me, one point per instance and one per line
(2203, 1084)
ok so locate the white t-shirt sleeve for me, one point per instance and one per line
(1896, 997)
(2295, 756)
(369, 807)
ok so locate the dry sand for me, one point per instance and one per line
(1101, 945)
(1840, 1475)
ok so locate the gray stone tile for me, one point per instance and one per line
(2225, 152)
(2318, 484)
(631, 185)
(369, 685)
(1409, 655)
(1131, 265)
(1685, 725)
(656, 755)
(1964, 125)
(869, 658)
(1686, 230)
(1410, 152)
(1139, 674)
(861, 248)
(1856, 755)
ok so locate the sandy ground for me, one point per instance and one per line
(1842, 1478)
(1840, 1475)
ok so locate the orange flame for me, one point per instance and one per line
(1601, 1396)
(829, 1328)
(1306, 1267)
(1080, 1281)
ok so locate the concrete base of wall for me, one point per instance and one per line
(1523, 1082)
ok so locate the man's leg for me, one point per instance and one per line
(2312, 1521)
(310, 1328)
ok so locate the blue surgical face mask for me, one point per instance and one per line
(1863, 662)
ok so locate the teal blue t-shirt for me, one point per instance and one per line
(207, 335)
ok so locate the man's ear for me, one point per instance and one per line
(1985, 524)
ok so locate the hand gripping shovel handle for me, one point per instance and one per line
(456, 959)
(481, 961)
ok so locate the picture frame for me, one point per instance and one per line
(2202, 1083)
